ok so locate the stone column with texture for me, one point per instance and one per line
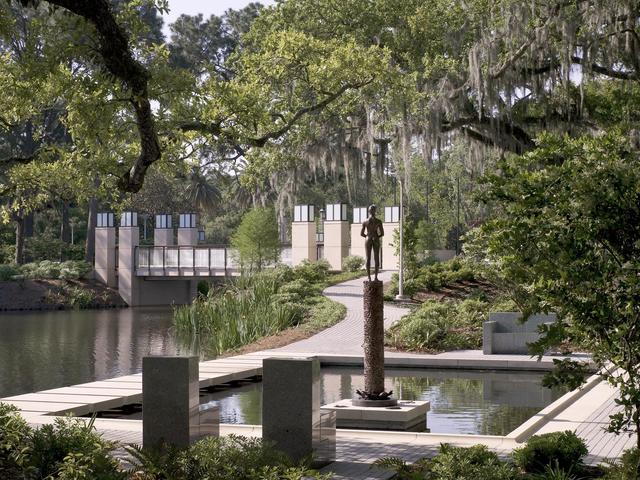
(291, 416)
(373, 337)
(170, 401)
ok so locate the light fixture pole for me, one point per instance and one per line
(400, 296)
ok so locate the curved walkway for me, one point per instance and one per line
(347, 336)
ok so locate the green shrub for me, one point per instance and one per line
(301, 287)
(79, 297)
(353, 263)
(626, 468)
(453, 463)
(45, 269)
(7, 272)
(73, 447)
(219, 458)
(472, 463)
(74, 269)
(14, 441)
(280, 274)
(313, 272)
(558, 449)
(424, 329)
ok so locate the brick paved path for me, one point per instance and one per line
(347, 336)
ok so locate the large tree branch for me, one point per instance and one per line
(494, 132)
(262, 140)
(216, 129)
(119, 61)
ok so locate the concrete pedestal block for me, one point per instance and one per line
(504, 334)
(209, 421)
(291, 416)
(105, 256)
(407, 415)
(303, 242)
(390, 260)
(336, 243)
(163, 237)
(170, 401)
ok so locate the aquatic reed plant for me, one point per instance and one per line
(240, 313)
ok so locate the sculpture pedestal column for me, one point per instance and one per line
(373, 337)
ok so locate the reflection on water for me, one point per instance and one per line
(43, 350)
(467, 402)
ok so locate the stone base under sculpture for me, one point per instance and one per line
(364, 402)
(409, 416)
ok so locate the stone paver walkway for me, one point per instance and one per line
(347, 336)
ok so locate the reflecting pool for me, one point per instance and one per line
(462, 401)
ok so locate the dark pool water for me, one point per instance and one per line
(462, 401)
(43, 350)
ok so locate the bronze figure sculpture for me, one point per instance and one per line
(373, 231)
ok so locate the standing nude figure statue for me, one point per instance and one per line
(372, 230)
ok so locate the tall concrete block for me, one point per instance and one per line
(291, 416)
(336, 242)
(357, 242)
(105, 256)
(303, 242)
(163, 235)
(188, 237)
(390, 260)
(170, 401)
(187, 230)
(128, 282)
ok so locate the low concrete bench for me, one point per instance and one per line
(504, 333)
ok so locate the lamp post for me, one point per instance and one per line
(401, 296)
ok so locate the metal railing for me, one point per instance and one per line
(183, 261)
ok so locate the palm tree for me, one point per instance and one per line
(201, 192)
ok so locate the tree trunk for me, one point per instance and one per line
(65, 226)
(373, 337)
(92, 219)
(19, 256)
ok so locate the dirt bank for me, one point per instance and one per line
(57, 295)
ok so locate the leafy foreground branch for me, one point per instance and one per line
(69, 449)
(261, 305)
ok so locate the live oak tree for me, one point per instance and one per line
(568, 241)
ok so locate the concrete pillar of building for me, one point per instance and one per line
(187, 230)
(291, 415)
(105, 250)
(303, 242)
(336, 234)
(390, 259)
(303, 235)
(170, 401)
(391, 225)
(163, 235)
(336, 242)
(357, 241)
(128, 241)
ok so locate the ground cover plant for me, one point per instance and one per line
(551, 456)
(71, 449)
(456, 299)
(265, 303)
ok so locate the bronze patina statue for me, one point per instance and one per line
(372, 230)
